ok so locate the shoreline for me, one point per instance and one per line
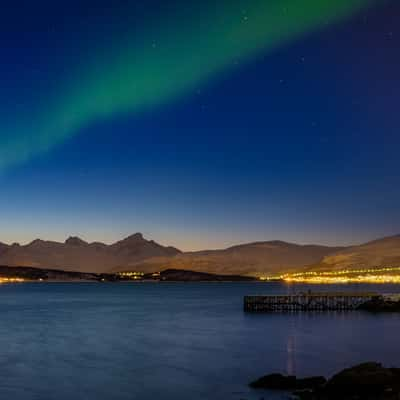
(255, 281)
(19, 274)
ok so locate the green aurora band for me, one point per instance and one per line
(132, 75)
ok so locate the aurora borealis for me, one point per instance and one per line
(199, 123)
(173, 58)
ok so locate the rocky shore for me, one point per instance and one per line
(31, 274)
(181, 275)
(170, 275)
(368, 381)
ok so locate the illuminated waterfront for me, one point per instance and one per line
(360, 275)
(11, 280)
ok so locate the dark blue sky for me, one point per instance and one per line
(298, 143)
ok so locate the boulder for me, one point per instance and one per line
(367, 378)
(367, 381)
(284, 382)
(312, 382)
(275, 381)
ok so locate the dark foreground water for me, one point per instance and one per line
(84, 341)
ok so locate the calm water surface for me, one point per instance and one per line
(87, 341)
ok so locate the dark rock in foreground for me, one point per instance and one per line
(282, 382)
(368, 381)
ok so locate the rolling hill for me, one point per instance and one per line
(381, 252)
(254, 259)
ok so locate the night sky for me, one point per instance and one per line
(200, 124)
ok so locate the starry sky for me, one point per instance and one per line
(200, 124)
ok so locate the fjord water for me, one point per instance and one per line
(63, 341)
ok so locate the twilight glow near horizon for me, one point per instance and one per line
(200, 125)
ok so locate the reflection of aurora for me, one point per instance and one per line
(128, 75)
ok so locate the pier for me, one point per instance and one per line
(310, 301)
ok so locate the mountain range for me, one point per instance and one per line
(135, 253)
(77, 255)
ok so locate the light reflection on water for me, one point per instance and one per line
(172, 341)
